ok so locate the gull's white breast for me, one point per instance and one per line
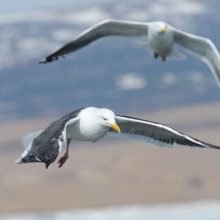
(86, 128)
(161, 43)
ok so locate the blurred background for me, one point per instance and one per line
(112, 178)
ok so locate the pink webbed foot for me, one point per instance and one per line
(63, 159)
(163, 58)
(156, 55)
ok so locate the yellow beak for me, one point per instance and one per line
(115, 126)
(164, 29)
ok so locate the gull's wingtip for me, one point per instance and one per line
(48, 59)
(43, 61)
(19, 161)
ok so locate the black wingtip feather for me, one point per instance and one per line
(48, 60)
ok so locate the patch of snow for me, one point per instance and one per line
(197, 77)
(130, 81)
(198, 210)
(64, 34)
(169, 78)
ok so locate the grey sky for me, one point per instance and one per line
(17, 6)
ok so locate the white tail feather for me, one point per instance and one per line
(28, 147)
(19, 161)
(175, 55)
(146, 46)
(28, 138)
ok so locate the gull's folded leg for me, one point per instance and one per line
(63, 159)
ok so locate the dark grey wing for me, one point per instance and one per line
(103, 29)
(48, 144)
(155, 133)
(202, 48)
(46, 147)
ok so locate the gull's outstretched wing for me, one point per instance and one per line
(48, 144)
(155, 133)
(202, 48)
(103, 29)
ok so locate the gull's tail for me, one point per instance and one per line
(27, 140)
(175, 55)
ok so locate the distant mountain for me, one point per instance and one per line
(114, 72)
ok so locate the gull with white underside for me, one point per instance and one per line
(161, 39)
(92, 124)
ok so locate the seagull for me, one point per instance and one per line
(161, 39)
(91, 124)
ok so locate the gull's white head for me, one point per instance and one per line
(159, 27)
(106, 118)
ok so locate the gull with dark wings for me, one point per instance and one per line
(161, 39)
(91, 124)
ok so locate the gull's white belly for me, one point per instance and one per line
(161, 44)
(86, 131)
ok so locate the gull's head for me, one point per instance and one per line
(106, 118)
(159, 27)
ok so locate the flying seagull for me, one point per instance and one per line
(91, 124)
(161, 39)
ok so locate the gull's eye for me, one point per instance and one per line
(105, 119)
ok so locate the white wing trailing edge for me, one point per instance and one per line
(29, 137)
(154, 133)
(202, 48)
